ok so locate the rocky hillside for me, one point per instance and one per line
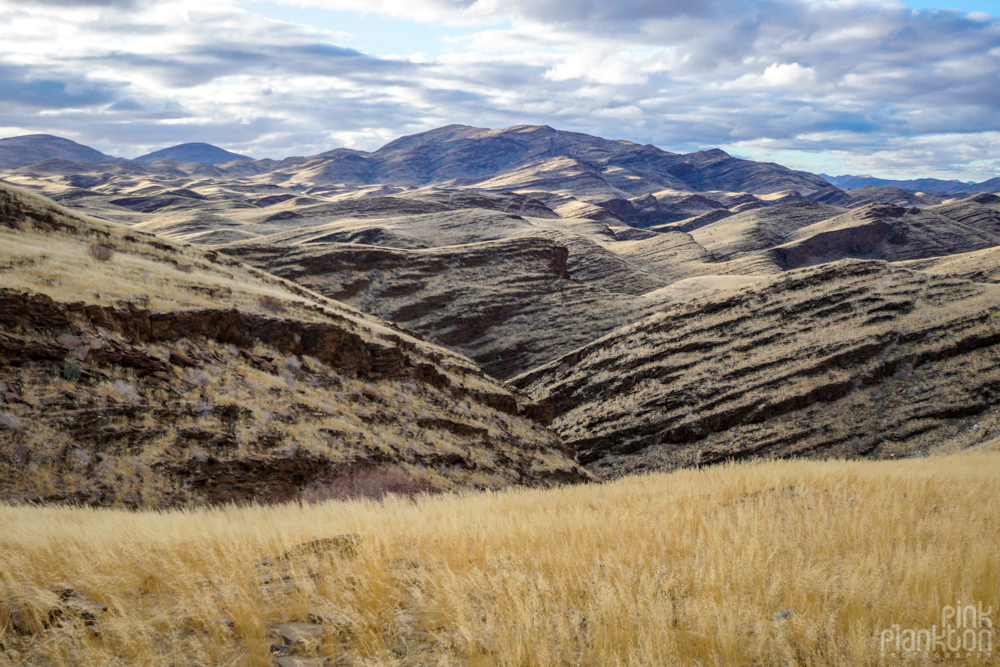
(510, 304)
(885, 231)
(854, 358)
(139, 372)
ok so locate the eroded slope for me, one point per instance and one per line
(849, 359)
(161, 375)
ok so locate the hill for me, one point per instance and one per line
(139, 372)
(204, 153)
(854, 358)
(30, 148)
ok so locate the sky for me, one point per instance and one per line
(883, 87)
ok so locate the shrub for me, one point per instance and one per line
(272, 304)
(126, 390)
(102, 252)
(71, 371)
(363, 480)
(201, 378)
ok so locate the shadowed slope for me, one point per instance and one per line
(882, 231)
(510, 304)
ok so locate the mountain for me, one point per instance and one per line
(142, 373)
(850, 359)
(204, 153)
(848, 182)
(31, 148)
(527, 157)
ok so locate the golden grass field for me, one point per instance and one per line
(686, 568)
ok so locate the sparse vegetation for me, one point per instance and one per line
(71, 371)
(102, 252)
(272, 304)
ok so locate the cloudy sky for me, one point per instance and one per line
(886, 87)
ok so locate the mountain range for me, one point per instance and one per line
(515, 157)
(915, 185)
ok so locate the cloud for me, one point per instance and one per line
(857, 81)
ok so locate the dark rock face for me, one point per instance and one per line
(848, 359)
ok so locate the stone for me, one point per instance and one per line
(297, 661)
(26, 621)
(179, 359)
(21, 456)
(69, 341)
(784, 614)
(301, 634)
(341, 545)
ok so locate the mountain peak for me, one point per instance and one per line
(193, 152)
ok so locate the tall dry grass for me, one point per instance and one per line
(690, 568)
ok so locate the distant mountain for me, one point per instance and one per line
(527, 157)
(848, 182)
(30, 148)
(204, 153)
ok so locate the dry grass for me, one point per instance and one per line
(686, 568)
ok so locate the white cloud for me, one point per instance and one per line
(772, 75)
(599, 67)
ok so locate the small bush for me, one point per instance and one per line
(367, 481)
(71, 371)
(201, 378)
(126, 390)
(102, 252)
(272, 304)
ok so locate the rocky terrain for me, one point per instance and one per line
(853, 358)
(139, 372)
(645, 298)
(508, 304)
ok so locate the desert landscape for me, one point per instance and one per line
(298, 381)
(517, 334)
